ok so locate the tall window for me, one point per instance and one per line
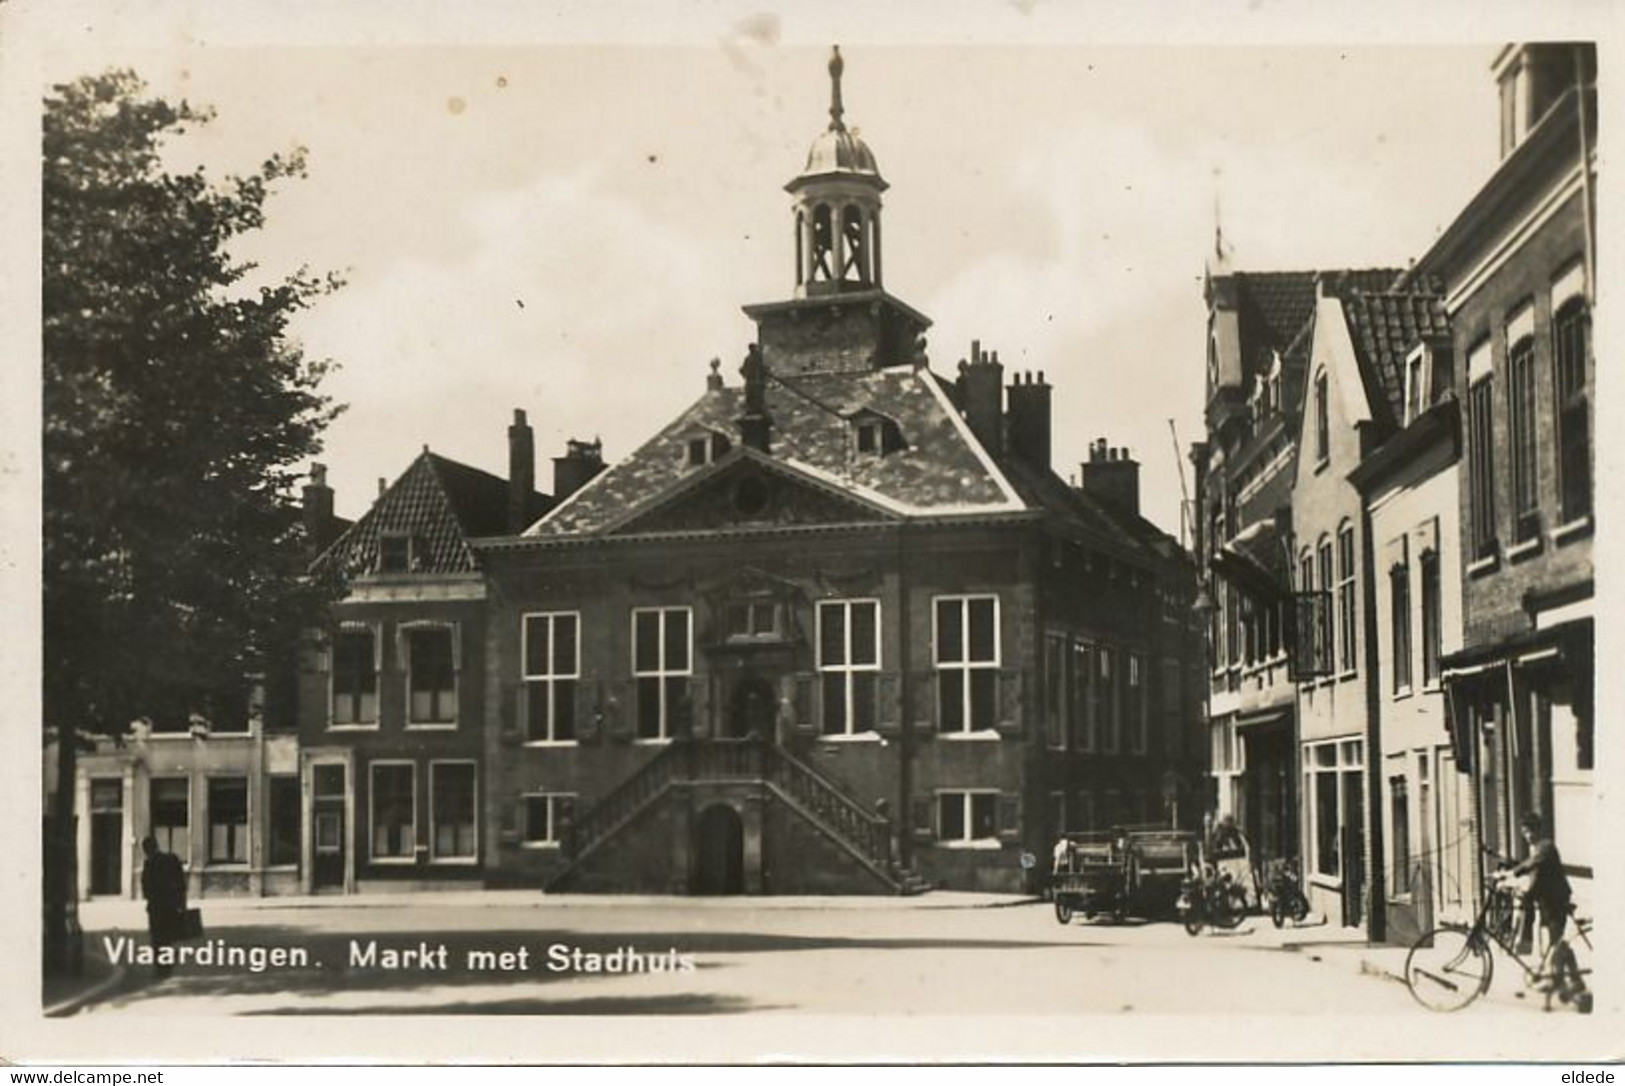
(1327, 647)
(1055, 691)
(1333, 772)
(662, 661)
(1108, 720)
(355, 677)
(1136, 703)
(1522, 419)
(171, 803)
(228, 820)
(1083, 717)
(552, 675)
(1399, 619)
(394, 811)
(849, 663)
(1323, 426)
(431, 675)
(284, 821)
(967, 816)
(1347, 616)
(1571, 331)
(967, 648)
(1432, 619)
(546, 817)
(1400, 815)
(451, 810)
(1481, 454)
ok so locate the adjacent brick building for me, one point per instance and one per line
(392, 710)
(1518, 266)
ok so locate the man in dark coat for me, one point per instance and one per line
(163, 884)
(1548, 886)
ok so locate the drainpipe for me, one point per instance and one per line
(1585, 179)
(903, 817)
(1376, 875)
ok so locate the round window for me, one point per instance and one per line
(750, 497)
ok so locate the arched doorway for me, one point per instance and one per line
(751, 710)
(719, 851)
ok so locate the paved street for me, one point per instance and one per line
(937, 955)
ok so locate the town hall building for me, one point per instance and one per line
(838, 627)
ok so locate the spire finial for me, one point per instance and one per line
(836, 66)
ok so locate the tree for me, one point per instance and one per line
(176, 408)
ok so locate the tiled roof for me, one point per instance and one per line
(1272, 307)
(440, 504)
(1275, 307)
(1384, 327)
(940, 470)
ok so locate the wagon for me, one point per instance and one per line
(1121, 873)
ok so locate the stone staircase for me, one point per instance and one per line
(864, 835)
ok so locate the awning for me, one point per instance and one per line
(1276, 714)
(1243, 571)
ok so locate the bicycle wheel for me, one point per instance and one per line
(1448, 968)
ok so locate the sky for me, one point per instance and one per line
(569, 222)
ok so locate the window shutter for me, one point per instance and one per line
(680, 723)
(888, 711)
(620, 710)
(589, 711)
(1011, 701)
(1009, 816)
(796, 702)
(920, 816)
(511, 726)
(564, 816)
(704, 695)
(925, 701)
(512, 815)
(456, 645)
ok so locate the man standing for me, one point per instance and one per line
(163, 884)
(1548, 888)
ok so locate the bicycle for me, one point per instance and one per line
(1452, 965)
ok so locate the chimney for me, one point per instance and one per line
(1112, 475)
(981, 396)
(756, 425)
(581, 461)
(521, 472)
(317, 505)
(713, 380)
(1029, 419)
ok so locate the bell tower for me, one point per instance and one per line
(837, 206)
(839, 319)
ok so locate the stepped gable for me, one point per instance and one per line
(441, 504)
(935, 470)
(1384, 327)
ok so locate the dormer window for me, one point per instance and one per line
(398, 553)
(873, 434)
(706, 448)
(753, 620)
(1416, 383)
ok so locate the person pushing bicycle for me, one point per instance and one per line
(1548, 886)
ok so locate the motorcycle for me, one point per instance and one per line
(1285, 892)
(1211, 898)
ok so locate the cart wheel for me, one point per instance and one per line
(1063, 912)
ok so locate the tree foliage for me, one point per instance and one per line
(176, 412)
